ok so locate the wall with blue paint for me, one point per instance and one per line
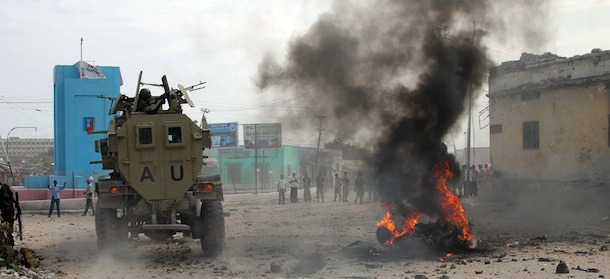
(285, 160)
(78, 102)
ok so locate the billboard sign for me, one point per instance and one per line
(266, 136)
(224, 135)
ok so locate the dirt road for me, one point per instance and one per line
(521, 236)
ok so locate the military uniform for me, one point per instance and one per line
(7, 206)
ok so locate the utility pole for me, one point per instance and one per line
(317, 168)
(204, 122)
(468, 175)
(81, 50)
(255, 160)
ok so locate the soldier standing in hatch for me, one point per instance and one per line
(306, 188)
(55, 197)
(89, 196)
(147, 103)
(337, 187)
(7, 206)
(345, 184)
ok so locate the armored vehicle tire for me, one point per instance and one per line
(213, 238)
(106, 228)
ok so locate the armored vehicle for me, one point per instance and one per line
(155, 154)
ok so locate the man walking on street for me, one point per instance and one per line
(359, 187)
(306, 188)
(320, 187)
(55, 197)
(337, 187)
(89, 196)
(281, 188)
(345, 183)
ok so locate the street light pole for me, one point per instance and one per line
(6, 148)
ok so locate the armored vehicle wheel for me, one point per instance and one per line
(213, 238)
(106, 228)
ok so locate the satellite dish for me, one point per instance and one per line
(186, 95)
(135, 100)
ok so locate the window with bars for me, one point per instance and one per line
(531, 135)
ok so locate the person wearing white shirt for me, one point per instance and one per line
(281, 188)
(89, 196)
(294, 184)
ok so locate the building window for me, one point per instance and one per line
(531, 135)
(530, 96)
(495, 129)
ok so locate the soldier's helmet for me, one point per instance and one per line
(145, 94)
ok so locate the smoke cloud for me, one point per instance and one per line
(399, 73)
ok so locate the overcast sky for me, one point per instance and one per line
(220, 42)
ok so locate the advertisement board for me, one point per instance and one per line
(266, 136)
(224, 135)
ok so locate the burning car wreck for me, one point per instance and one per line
(448, 229)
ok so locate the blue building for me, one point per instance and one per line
(82, 98)
(81, 104)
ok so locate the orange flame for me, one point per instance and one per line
(408, 226)
(452, 208)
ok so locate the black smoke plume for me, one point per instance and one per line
(398, 73)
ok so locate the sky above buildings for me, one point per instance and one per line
(219, 42)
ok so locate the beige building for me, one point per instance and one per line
(18, 147)
(549, 117)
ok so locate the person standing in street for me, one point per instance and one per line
(337, 187)
(359, 183)
(7, 209)
(474, 181)
(307, 188)
(281, 189)
(465, 188)
(89, 196)
(320, 187)
(345, 184)
(293, 181)
(55, 197)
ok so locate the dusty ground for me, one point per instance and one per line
(334, 239)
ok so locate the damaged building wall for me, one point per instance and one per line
(549, 117)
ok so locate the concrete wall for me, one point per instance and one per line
(572, 111)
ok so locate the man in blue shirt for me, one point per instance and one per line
(55, 189)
